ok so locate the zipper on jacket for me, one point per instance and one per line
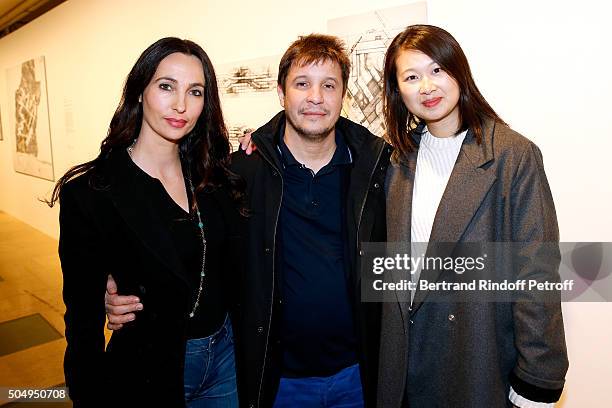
(263, 367)
(365, 198)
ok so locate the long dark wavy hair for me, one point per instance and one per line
(441, 47)
(206, 149)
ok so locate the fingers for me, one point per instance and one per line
(251, 148)
(111, 286)
(117, 300)
(246, 143)
(111, 326)
(120, 319)
(122, 308)
(119, 309)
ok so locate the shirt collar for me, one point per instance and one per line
(341, 156)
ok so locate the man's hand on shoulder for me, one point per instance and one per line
(246, 143)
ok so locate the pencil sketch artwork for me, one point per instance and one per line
(243, 79)
(367, 37)
(29, 119)
(248, 94)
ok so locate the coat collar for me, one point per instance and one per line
(478, 155)
(267, 137)
(367, 151)
(470, 180)
(467, 186)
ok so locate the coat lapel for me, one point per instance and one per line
(142, 215)
(467, 186)
(399, 184)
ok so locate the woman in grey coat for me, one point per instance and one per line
(460, 174)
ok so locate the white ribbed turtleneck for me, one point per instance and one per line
(435, 161)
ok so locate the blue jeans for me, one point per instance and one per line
(210, 370)
(341, 390)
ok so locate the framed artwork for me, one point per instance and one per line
(248, 94)
(28, 124)
(367, 37)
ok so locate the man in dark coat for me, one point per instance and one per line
(315, 189)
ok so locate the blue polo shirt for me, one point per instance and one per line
(317, 333)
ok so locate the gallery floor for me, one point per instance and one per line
(31, 311)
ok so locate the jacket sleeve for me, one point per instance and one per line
(539, 337)
(81, 255)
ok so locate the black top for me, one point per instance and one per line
(115, 220)
(185, 235)
(317, 331)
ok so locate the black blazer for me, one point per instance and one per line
(116, 230)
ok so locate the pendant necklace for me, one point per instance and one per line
(203, 269)
(201, 228)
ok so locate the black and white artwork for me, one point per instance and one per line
(245, 79)
(29, 119)
(367, 37)
(248, 94)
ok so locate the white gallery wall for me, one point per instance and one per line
(544, 65)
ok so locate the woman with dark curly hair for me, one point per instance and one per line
(160, 210)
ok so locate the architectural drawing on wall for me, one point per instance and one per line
(244, 79)
(248, 94)
(367, 37)
(29, 119)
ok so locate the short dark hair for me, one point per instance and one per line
(315, 48)
(441, 47)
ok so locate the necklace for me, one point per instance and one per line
(130, 150)
(203, 269)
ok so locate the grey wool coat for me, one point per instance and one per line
(468, 354)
